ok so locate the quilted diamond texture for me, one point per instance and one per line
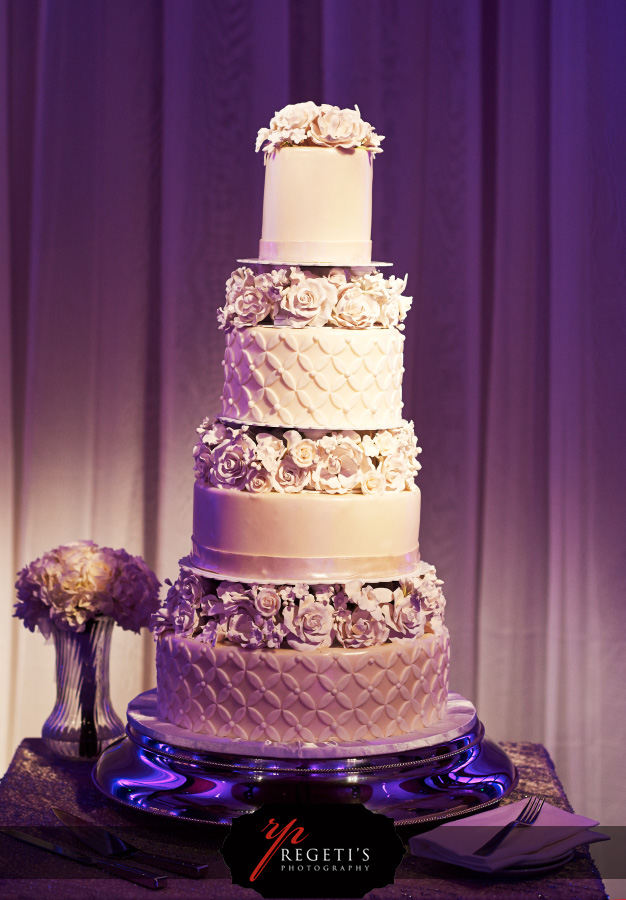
(316, 696)
(314, 377)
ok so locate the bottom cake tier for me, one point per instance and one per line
(327, 694)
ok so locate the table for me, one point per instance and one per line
(35, 781)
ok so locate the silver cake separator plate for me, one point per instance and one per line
(200, 779)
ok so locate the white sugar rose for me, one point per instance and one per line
(188, 588)
(308, 300)
(186, 619)
(266, 601)
(294, 116)
(394, 306)
(249, 299)
(206, 605)
(431, 596)
(338, 469)
(269, 283)
(289, 477)
(373, 600)
(303, 450)
(233, 597)
(368, 446)
(426, 587)
(263, 136)
(278, 277)
(389, 312)
(231, 462)
(408, 619)
(240, 628)
(396, 472)
(251, 307)
(269, 450)
(372, 480)
(258, 481)
(309, 625)
(354, 309)
(373, 284)
(360, 629)
(386, 442)
(239, 280)
(395, 287)
(202, 461)
(336, 127)
(338, 277)
(214, 433)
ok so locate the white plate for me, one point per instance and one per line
(546, 865)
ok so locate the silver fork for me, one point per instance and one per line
(527, 816)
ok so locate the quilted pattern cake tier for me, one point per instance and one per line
(314, 377)
(333, 694)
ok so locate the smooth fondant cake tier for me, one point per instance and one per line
(287, 695)
(317, 206)
(305, 537)
(314, 377)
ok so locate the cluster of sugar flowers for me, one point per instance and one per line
(302, 616)
(74, 583)
(260, 461)
(344, 298)
(310, 125)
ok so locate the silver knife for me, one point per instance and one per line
(105, 843)
(137, 876)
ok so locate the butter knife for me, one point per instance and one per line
(137, 876)
(105, 843)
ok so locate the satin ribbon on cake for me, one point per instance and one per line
(281, 568)
(354, 253)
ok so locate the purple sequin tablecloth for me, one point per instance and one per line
(35, 781)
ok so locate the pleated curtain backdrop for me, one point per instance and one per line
(129, 187)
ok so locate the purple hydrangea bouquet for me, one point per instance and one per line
(76, 593)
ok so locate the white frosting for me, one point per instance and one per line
(458, 719)
(305, 537)
(331, 378)
(317, 206)
(286, 695)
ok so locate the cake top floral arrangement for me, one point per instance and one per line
(75, 583)
(310, 125)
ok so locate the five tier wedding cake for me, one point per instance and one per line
(304, 613)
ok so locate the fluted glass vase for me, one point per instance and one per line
(83, 722)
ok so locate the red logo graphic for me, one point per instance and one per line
(296, 834)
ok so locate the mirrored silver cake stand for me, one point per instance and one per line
(444, 771)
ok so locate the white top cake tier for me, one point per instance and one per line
(317, 205)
